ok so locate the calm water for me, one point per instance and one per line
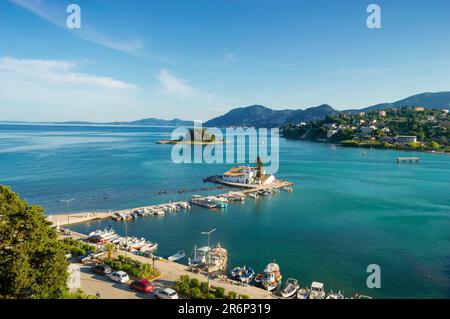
(347, 210)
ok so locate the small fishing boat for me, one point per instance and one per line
(236, 272)
(290, 288)
(303, 293)
(258, 278)
(179, 255)
(247, 274)
(272, 277)
(317, 291)
(334, 295)
(199, 257)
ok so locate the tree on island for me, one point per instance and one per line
(259, 168)
(32, 260)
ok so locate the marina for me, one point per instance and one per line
(209, 202)
(210, 262)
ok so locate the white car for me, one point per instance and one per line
(119, 276)
(166, 293)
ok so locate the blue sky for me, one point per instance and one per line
(197, 59)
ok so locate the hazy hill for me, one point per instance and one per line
(439, 100)
(262, 116)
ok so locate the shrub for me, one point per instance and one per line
(220, 292)
(184, 289)
(210, 296)
(184, 279)
(244, 296)
(232, 295)
(196, 293)
(204, 287)
(194, 283)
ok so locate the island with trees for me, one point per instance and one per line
(195, 136)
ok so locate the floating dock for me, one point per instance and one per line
(401, 160)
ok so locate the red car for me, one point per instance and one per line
(144, 286)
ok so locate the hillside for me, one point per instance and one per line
(261, 116)
(439, 100)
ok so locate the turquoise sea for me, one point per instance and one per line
(347, 210)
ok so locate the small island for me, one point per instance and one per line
(195, 136)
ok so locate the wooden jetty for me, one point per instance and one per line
(408, 160)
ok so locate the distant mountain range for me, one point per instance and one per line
(439, 100)
(262, 116)
(144, 122)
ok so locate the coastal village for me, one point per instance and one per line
(410, 128)
(206, 263)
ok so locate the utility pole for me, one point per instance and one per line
(67, 201)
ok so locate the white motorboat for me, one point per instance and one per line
(290, 288)
(272, 277)
(149, 247)
(334, 295)
(317, 291)
(179, 255)
(303, 293)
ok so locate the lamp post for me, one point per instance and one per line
(209, 257)
(67, 201)
(126, 240)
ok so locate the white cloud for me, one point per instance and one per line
(171, 85)
(53, 72)
(56, 14)
(33, 89)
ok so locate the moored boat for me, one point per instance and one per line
(317, 291)
(335, 295)
(247, 274)
(290, 288)
(272, 277)
(179, 255)
(303, 293)
(258, 278)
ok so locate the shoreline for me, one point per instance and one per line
(367, 146)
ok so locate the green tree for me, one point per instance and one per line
(110, 248)
(259, 168)
(32, 260)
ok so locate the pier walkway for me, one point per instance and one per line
(76, 218)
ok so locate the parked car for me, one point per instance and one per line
(101, 269)
(167, 293)
(144, 286)
(119, 276)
